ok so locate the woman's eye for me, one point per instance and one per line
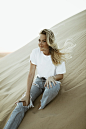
(39, 40)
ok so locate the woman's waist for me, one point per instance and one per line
(41, 77)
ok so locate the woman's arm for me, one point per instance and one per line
(58, 77)
(30, 78)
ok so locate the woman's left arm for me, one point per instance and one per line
(53, 79)
(58, 77)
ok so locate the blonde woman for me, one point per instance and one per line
(50, 64)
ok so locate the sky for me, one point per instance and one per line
(22, 20)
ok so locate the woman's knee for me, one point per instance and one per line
(49, 94)
(55, 88)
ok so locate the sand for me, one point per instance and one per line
(3, 54)
(68, 109)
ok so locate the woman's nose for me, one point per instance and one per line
(40, 42)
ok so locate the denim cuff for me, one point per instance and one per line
(31, 103)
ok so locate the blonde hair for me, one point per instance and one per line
(57, 55)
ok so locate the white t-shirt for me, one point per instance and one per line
(45, 67)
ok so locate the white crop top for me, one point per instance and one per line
(45, 67)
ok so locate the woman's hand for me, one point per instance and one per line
(25, 100)
(48, 82)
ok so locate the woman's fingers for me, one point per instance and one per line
(45, 84)
(19, 101)
(16, 102)
(25, 100)
(26, 103)
(54, 83)
(50, 84)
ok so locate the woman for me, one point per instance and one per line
(50, 64)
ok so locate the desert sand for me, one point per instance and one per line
(3, 54)
(68, 109)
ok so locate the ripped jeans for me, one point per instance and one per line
(37, 89)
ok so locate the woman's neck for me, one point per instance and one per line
(46, 53)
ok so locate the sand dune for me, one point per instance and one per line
(68, 109)
(3, 54)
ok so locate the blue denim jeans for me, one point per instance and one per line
(37, 88)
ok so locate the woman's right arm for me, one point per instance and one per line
(30, 78)
(26, 98)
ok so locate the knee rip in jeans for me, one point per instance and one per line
(36, 85)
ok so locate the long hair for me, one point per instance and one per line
(57, 55)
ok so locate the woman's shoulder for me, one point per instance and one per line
(36, 50)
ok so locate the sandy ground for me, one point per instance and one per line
(3, 54)
(68, 109)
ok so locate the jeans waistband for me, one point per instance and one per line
(41, 78)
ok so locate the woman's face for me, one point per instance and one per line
(42, 43)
